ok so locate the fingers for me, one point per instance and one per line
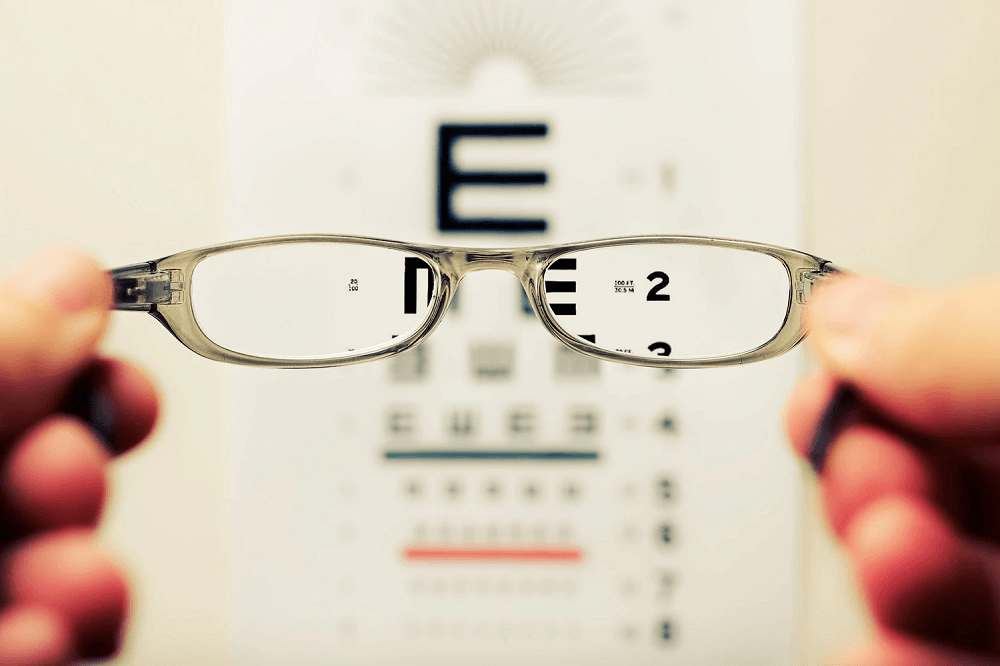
(52, 313)
(54, 476)
(34, 636)
(924, 358)
(62, 599)
(890, 504)
(919, 577)
(867, 462)
(902, 497)
(69, 576)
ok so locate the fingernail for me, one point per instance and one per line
(843, 317)
(58, 277)
(843, 409)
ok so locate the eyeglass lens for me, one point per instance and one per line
(676, 300)
(303, 300)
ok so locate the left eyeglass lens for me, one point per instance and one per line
(310, 300)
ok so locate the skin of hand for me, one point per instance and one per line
(911, 488)
(65, 413)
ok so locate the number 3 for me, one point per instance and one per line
(654, 291)
(661, 347)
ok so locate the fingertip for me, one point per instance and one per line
(65, 277)
(916, 355)
(54, 476)
(867, 464)
(841, 317)
(68, 572)
(896, 540)
(34, 636)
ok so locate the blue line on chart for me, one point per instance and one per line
(491, 455)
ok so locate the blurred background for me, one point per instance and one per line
(112, 138)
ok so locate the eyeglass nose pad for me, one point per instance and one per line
(454, 305)
(526, 305)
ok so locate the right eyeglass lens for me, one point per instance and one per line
(311, 300)
(669, 299)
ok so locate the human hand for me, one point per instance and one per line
(912, 486)
(64, 413)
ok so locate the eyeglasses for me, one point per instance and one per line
(310, 301)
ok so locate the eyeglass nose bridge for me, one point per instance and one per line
(459, 262)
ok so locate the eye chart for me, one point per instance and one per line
(491, 497)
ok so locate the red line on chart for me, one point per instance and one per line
(492, 553)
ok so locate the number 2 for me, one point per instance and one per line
(654, 291)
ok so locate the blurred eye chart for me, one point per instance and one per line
(491, 497)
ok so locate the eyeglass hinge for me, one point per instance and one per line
(139, 287)
(806, 280)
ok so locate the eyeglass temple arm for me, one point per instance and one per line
(807, 279)
(142, 287)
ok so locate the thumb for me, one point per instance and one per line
(53, 311)
(928, 359)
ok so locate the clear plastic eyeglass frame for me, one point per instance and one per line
(161, 288)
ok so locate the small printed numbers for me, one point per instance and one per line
(624, 286)
(665, 631)
(666, 534)
(665, 489)
(352, 285)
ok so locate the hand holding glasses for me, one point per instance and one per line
(308, 301)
